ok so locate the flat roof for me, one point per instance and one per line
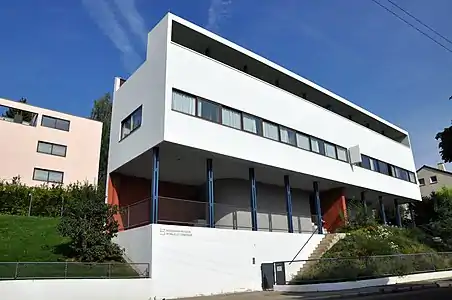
(271, 64)
(37, 109)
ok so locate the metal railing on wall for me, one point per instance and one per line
(327, 270)
(66, 270)
(195, 213)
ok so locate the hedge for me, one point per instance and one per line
(47, 200)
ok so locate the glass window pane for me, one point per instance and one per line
(55, 177)
(136, 118)
(183, 103)
(341, 153)
(44, 147)
(330, 150)
(62, 124)
(59, 150)
(288, 136)
(230, 118)
(404, 174)
(270, 130)
(208, 110)
(315, 145)
(48, 122)
(303, 141)
(40, 175)
(250, 124)
(126, 127)
(421, 181)
(383, 167)
(412, 177)
(373, 164)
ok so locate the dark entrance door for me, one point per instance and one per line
(268, 276)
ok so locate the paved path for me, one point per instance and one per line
(422, 290)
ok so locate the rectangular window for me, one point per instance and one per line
(53, 149)
(383, 167)
(270, 130)
(315, 145)
(231, 118)
(433, 179)
(48, 175)
(330, 150)
(184, 103)
(342, 153)
(412, 177)
(208, 110)
(288, 136)
(131, 123)
(369, 163)
(404, 175)
(55, 123)
(421, 181)
(303, 141)
(251, 124)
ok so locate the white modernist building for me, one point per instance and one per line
(208, 134)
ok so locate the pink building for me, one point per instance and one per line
(42, 145)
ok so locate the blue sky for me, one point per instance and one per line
(64, 54)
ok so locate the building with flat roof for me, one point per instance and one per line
(45, 146)
(222, 160)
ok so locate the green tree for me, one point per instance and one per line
(12, 112)
(445, 142)
(90, 225)
(101, 111)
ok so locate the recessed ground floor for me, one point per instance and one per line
(177, 185)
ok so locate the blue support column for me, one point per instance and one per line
(288, 203)
(253, 200)
(382, 210)
(155, 185)
(398, 216)
(318, 209)
(210, 194)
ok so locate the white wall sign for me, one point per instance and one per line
(175, 232)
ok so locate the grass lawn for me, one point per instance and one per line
(36, 239)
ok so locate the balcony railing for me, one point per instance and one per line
(183, 212)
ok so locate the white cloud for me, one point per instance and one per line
(133, 17)
(218, 11)
(104, 16)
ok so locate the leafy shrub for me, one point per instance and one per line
(46, 200)
(374, 251)
(89, 223)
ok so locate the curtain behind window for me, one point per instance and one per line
(270, 131)
(230, 118)
(183, 103)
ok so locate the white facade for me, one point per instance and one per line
(172, 66)
(184, 58)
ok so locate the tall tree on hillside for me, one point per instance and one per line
(12, 112)
(101, 111)
(445, 142)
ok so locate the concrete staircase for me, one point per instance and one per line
(325, 244)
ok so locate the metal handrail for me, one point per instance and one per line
(302, 247)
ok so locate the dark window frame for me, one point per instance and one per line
(130, 117)
(51, 149)
(48, 175)
(217, 106)
(55, 120)
(421, 181)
